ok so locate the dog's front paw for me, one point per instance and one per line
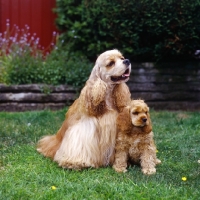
(149, 171)
(119, 169)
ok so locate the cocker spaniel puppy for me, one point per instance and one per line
(134, 141)
(87, 136)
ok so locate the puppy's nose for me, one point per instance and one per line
(144, 119)
(126, 62)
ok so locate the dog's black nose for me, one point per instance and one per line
(144, 119)
(126, 62)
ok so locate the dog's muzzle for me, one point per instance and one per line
(125, 76)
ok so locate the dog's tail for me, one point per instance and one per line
(48, 145)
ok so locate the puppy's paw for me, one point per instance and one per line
(157, 161)
(119, 169)
(149, 171)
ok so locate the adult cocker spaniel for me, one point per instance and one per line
(87, 136)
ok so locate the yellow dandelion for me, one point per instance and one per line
(184, 178)
(53, 187)
(156, 150)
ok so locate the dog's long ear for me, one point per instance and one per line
(93, 94)
(124, 120)
(95, 73)
(121, 96)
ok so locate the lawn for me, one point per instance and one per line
(25, 174)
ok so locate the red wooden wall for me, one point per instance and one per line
(37, 14)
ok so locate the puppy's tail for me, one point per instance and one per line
(48, 145)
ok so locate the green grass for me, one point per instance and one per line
(25, 174)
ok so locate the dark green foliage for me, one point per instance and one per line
(143, 30)
(73, 68)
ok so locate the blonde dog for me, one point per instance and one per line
(135, 139)
(87, 136)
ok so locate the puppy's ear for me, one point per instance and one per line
(124, 120)
(148, 128)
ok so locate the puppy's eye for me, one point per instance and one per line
(110, 64)
(122, 58)
(135, 113)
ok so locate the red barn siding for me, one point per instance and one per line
(37, 14)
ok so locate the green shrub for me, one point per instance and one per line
(28, 70)
(59, 67)
(23, 62)
(72, 68)
(143, 30)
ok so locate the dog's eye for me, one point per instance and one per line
(110, 64)
(122, 58)
(135, 113)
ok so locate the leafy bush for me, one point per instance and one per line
(143, 30)
(23, 62)
(72, 68)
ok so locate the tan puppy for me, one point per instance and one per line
(135, 138)
(87, 136)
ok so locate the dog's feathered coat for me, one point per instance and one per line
(134, 141)
(87, 136)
